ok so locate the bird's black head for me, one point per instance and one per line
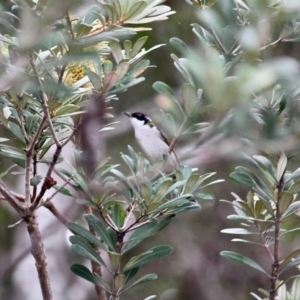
(139, 116)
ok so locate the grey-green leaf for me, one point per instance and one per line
(243, 260)
(100, 229)
(148, 256)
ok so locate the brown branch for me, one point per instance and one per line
(11, 198)
(49, 205)
(38, 252)
(45, 185)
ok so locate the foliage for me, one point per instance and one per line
(253, 96)
(58, 73)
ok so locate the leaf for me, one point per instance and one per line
(80, 241)
(145, 231)
(109, 81)
(241, 178)
(34, 181)
(85, 234)
(138, 46)
(122, 69)
(293, 208)
(165, 90)
(295, 188)
(265, 165)
(281, 166)
(115, 259)
(237, 231)
(148, 256)
(63, 190)
(100, 229)
(83, 272)
(146, 192)
(82, 251)
(116, 51)
(285, 200)
(180, 46)
(130, 274)
(295, 292)
(189, 97)
(118, 215)
(15, 129)
(136, 9)
(243, 260)
(281, 292)
(146, 278)
(290, 258)
(162, 190)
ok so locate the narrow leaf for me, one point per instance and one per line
(243, 260)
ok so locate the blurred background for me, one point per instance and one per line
(195, 270)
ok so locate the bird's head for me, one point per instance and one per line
(138, 119)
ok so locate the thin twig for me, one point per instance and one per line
(69, 21)
(44, 187)
(176, 137)
(21, 119)
(44, 101)
(219, 43)
(11, 198)
(58, 190)
(49, 205)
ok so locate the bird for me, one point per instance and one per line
(152, 141)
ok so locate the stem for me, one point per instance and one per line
(38, 252)
(176, 137)
(96, 268)
(115, 289)
(275, 264)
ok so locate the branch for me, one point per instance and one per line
(48, 181)
(49, 205)
(11, 198)
(38, 252)
(44, 101)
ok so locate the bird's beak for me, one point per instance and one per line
(128, 114)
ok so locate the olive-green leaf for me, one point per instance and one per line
(243, 260)
(146, 278)
(293, 208)
(290, 258)
(100, 229)
(85, 234)
(80, 241)
(83, 272)
(285, 200)
(148, 256)
(282, 162)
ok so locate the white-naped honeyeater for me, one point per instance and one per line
(152, 141)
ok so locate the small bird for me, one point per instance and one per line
(152, 141)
